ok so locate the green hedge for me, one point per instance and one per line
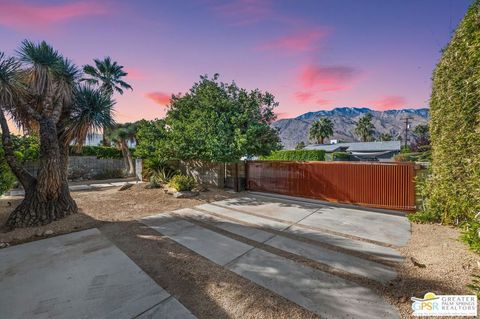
(296, 155)
(452, 191)
(340, 156)
(98, 151)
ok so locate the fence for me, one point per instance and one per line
(380, 185)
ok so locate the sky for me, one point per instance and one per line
(311, 55)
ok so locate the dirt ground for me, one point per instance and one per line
(210, 291)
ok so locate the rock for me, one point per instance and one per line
(48, 232)
(4, 245)
(403, 299)
(417, 263)
(125, 187)
(185, 194)
(200, 188)
(39, 233)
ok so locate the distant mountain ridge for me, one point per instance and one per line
(294, 130)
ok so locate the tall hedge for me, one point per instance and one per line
(296, 155)
(453, 191)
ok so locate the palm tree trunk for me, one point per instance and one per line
(127, 157)
(48, 198)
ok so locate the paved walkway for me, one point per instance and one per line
(79, 275)
(256, 238)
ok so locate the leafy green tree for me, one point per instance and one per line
(300, 146)
(221, 122)
(422, 138)
(40, 91)
(108, 76)
(364, 128)
(452, 191)
(321, 129)
(121, 135)
(385, 137)
(152, 140)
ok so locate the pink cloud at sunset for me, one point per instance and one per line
(388, 103)
(135, 74)
(303, 41)
(327, 78)
(243, 12)
(303, 96)
(23, 15)
(160, 98)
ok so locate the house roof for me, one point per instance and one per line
(391, 146)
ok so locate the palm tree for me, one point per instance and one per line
(40, 91)
(364, 128)
(321, 129)
(107, 75)
(121, 135)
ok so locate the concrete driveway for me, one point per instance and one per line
(314, 255)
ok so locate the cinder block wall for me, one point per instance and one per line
(87, 167)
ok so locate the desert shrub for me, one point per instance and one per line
(161, 177)
(296, 155)
(7, 179)
(340, 156)
(182, 183)
(414, 157)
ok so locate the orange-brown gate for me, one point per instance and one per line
(381, 185)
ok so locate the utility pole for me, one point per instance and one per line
(407, 126)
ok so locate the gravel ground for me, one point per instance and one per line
(210, 291)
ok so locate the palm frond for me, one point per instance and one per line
(93, 110)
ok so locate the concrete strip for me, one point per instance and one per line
(169, 308)
(288, 211)
(225, 224)
(79, 187)
(100, 185)
(260, 221)
(382, 252)
(322, 293)
(118, 183)
(394, 230)
(79, 275)
(347, 243)
(341, 261)
(218, 248)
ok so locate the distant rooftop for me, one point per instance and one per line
(357, 147)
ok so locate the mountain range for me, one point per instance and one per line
(294, 130)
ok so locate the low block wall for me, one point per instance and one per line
(87, 167)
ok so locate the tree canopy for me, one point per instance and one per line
(214, 121)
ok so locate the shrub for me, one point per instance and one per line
(182, 183)
(296, 155)
(340, 156)
(7, 179)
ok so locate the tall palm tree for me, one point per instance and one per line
(40, 91)
(121, 134)
(107, 75)
(321, 129)
(364, 128)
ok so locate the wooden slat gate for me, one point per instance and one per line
(380, 185)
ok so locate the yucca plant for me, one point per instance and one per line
(40, 91)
